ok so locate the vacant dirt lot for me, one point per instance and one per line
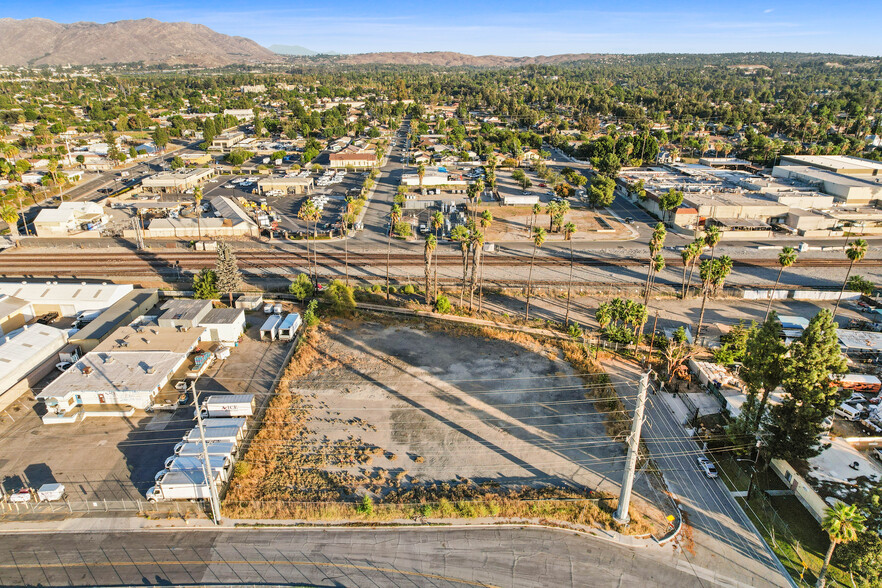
(386, 409)
(511, 223)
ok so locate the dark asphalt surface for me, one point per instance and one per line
(440, 557)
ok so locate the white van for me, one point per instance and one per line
(847, 412)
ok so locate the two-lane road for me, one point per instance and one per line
(501, 556)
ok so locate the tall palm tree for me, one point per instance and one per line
(538, 240)
(461, 234)
(713, 274)
(537, 209)
(569, 229)
(476, 241)
(551, 209)
(344, 226)
(486, 221)
(307, 213)
(712, 236)
(394, 217)
(855, 251)
(688, 254)
(656, 242)
(431, 244)
(421, 172)
(699, 245)
(16, 193)
(197, 198)
(437, 223)
(843, 522)
(786, 258)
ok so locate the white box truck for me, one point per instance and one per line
(227, 434)
(228, 405)
(180, 485)
(177, 463)
(240, 423)
(191, 449)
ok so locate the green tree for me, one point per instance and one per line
(670, 201)
(656, 244)
(302, 287)
(227, 270)
(855, 252)
(843, 522)
(310, 213)
(860, 284)
(602, 191)
(713, 274)
(177, 162)
(476, 243)
(421, 173)
(763, 365)
(428, 250)
(160, 137)
(205, 285)
(688, 255)
(341, 297)
(9, 215)
(862, 557)
(810, 395)
(786, 258)
(712, 236)
(538, 241)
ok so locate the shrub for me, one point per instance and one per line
(376, 288)
(205, 285)
(402, 229)
(309, 316)
(409, 289)
(242, 468)
(341, 297)
(442, 304)
(302, 287)
(393, 290)
(366, 507)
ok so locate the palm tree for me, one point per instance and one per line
(307, 213)
(16, 193)
(655, 245)
(476, 241)
(855, 251)
(461, 233)
(431, 244)
(712, 236)
(551, 210)
(9, 215)
(688, 254)
(421, 172)
(786, 258)
(437, 223)
(713, 274)
(537, 209)
(569, 229)
(394, 217)
(843, 522)
(197, 198)
(538, 240)
(486, 221)
(699, 245)
(344, 226)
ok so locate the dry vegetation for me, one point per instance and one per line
(288, 474)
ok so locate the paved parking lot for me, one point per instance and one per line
(117, 458)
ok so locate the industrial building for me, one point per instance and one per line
(839, 164)
(66, 298)
(14, 313)
(223, 325)
(177, 181)
(183, 313)
(227, 220)
(226, 141)
(71, 219)
(287, 184)
(26, 356)
(123, 312)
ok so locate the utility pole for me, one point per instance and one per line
(206, 464)
(621, 515)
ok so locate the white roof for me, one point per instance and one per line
(66, 292)
(22, 344)
(115, 371)
(859, 340)
(9, 305)
(837, 161)
(69, 210)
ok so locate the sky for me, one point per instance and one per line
(513, 27)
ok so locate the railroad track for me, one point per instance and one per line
(15, 264)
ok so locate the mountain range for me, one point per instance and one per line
(39, 41)
(298, 50)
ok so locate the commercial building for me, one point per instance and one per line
(14, 313)
(183, 313)
(240, 113)
(356, 159)
(227, 220)
(71, 219)
(111, 383)
(66, 298)
(123, 312)
(224, 325)
(839, 164)
(434, 178)
(287, 184)
(150, 337)
(850, 190)
(195, 158)
(177, 181)
(226, 141)
(26, 356)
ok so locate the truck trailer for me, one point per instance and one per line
(216, 448)
(227, 434)
(180, 485)
(228, 405)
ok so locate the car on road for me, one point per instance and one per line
(709, 469)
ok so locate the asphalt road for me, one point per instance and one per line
(439, 557)
(725, 539)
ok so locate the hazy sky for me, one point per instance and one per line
(512, 27)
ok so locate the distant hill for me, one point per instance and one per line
(38, 41)
(452, 59)
(298, 50)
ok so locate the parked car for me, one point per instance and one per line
(707, 467)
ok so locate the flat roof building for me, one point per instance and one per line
(228, 220)
(840, 164)
(226, 141)
(14, 313)
(24, 351)
(240, 113)
(356, 159)
(223, 324)
(66, 298)
(179, 180)
(851, 190)
(184, 312)
(287, 184)
(123, 312)
(152, 338)
(70, 219)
